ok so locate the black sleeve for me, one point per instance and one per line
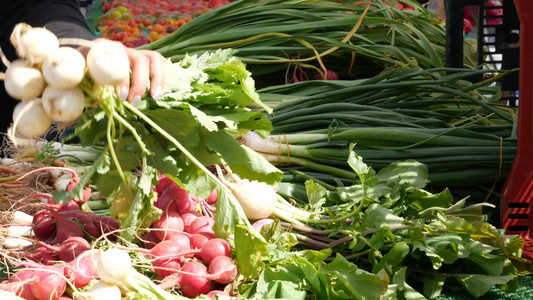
(62, 17)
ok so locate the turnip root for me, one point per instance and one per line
(63, 105)
(30, 119)
(33, 43)
(64, 68)
(257, 199)
(114, 265)
(22, 81)
(108, 63)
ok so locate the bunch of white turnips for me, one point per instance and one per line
(47, 75)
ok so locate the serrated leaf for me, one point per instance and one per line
(250, 252)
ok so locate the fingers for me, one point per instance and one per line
(147, 70)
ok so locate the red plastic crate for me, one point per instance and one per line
(517, 197)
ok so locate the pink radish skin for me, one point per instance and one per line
(188, 217)
(213, 248)
(168, 225)
(20, 284)
(66, 228)
(44, 226)
(82, 270)
(222, 269)
(49, 284)
(213, 197)
(72, 247)
(330, 75)
(192, 279)
(166, 267)
(42, 255)
(198, 240)
(175, 198)
(150, 240)
(106, 225)
(163, 184)
(202, 224)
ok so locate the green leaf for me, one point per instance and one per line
(396, 255)
(478, 285)
(352, 282)
(376, 216)
(316, 194)
(433, 285)
(250, 252)
(241, 159)
(409, 293)
(409, 172)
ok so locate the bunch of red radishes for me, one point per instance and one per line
(184, 249)
(46, 77)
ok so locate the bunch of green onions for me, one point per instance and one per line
(292, 40)
(459, 129)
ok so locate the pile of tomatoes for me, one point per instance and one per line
(138, 22)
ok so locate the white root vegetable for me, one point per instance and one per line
(30, 119)
(114, 265)
(63, 105)
(15, 243)
(108, 63)
(257, 199)
(5, 295)
(19, 231)
(22, 81)
(33, 43)
(64, 68)
(21, 218)
(100, 290)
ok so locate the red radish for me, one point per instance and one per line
(163, 184)
(43, 255)
(188, 217)
(198, 240)
(222, 269)
(82, 270)
(168, 225)
(72, 247)
(66, 228)
(20, 283)
(202, 224)
(329, 75)
(71, 205)
(192, 279)
(106, 225)
(166, 267)
(150, 240)
(213, 248)
(43, 225)
(213, 197)
(49, 284)
(176, 198)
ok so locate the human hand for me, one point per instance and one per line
(147, 70)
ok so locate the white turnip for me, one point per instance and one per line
(108, 63)
(30, 119)
(33, 43)
(257, 199)
(64, 68)
(22, 81)
(113, 265)
(63, 105)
